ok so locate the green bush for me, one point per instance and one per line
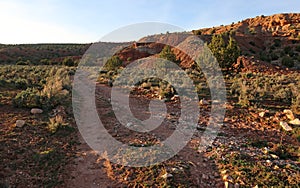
(54, 90)
(68, 61)
(255, 89)
(277, 42)
(113, 63)
(287, 61)
(297, 48)
(21, 83)
(287, 49)
(28, 98)
(167, 54)
(226, 54)
(197, 32)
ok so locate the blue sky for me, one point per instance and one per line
(83, 21)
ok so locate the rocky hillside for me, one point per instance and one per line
(267, 38)
(274, 40)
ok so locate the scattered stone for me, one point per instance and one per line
(129, 125)
(20, 123)
(228, 184)
(276, 167)
(203, 102)
(262, 114)
(274, 156)
(167, 176)
(295, 122)
(289, 114)
(226, 119)
(36, 111)
(285, 126)
(175, 98)
(227, 178)
(265, 150)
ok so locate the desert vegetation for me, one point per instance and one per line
(257, 145)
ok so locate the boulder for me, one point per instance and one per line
(36, 111)
(20, 123)
(289, 114)
(285, 126)
(295, 122)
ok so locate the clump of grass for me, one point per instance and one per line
(55, 123)
(248, 171)
(54, 92)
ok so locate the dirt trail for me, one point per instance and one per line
(88, 169)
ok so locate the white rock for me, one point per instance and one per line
(265, 150)
(203, 102)
(274, 156)
(295, 122)
(289, 114)
(129, 125)
(227, 178)
(20, 123)
(36, 111)
(262, 114)
(285, 126)
(167, 176)
(228, 184)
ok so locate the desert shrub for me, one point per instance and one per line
(287, 61)
(274, 56)
(296, 104)
(264, 57)
(20, 62)
(28, 98)
(277, 42)
(57, 89)
(54, 91)
(254, 89)
(21, 83)
(226, 54)
(45, 62)
(55, 123)
(113, 63)
(167, 54)
(166, 91)
(68, 61)
(197, 32)
(297, 48)
(287, 49)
